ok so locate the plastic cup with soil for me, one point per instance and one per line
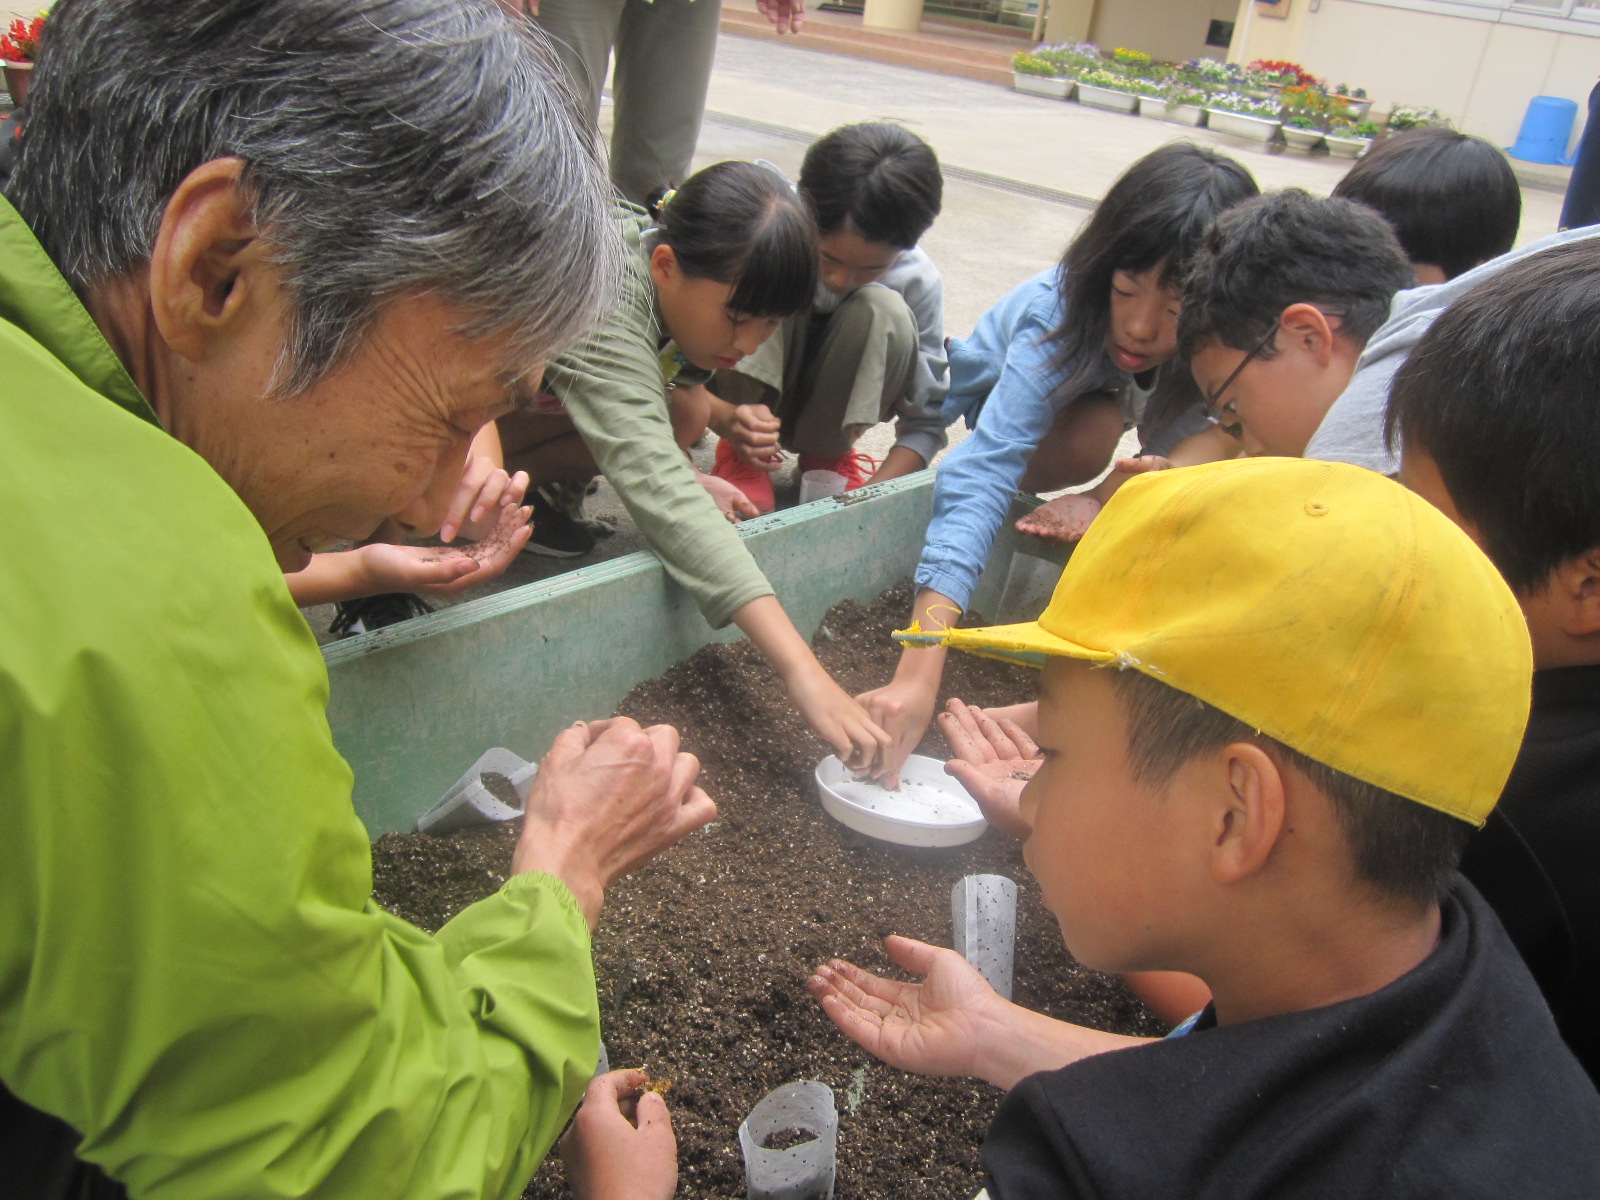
(818, 485)
(494, 789)
(789, 1142)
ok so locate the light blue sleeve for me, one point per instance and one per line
(977, 479)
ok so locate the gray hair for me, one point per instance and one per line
(391, 147)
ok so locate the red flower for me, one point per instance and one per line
(20, 43)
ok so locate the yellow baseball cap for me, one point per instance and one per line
(1321, 603)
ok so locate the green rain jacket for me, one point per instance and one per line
(192, 972)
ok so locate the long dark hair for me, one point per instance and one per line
(742, 223)
(1155, 214)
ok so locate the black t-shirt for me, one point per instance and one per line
(1537, 861)
(1450, 1082)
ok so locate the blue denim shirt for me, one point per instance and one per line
(1003, 382)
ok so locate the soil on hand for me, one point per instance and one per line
(702, 956)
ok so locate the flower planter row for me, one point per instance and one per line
(1256, 129)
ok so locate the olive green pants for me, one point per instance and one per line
(664, 52)
(828, 377)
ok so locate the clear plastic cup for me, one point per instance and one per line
(818, 485)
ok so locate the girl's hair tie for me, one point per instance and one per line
(659, 203)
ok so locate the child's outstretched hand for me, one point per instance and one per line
(731, 502)
(1064, 519)
(446, 570)
(994, 760)
(841, 722)
(936, 1027)
(621, 1146)
(753, 430)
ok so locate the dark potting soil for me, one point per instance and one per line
(788, 1139)
(702, 956)
(501, 788)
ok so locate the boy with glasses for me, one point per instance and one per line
(1277, 308)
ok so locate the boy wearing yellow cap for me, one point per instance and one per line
(1277, 697)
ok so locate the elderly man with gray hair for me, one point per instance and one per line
(265, 268)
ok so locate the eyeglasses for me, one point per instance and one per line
(1226, 416)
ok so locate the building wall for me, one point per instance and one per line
(1173, 30)
(1479, 73)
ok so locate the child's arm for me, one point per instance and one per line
(904, 706)
(379, 567)
(953, 1022)
(612, 391)
(971, 493)
(1067, 518)
(620, 1145)
(826, 707)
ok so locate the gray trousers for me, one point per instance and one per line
(664, 54)
(828, 378)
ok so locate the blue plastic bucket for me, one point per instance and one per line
(1546, 130)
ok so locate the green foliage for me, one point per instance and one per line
(1413, 116)
(1106, 79)
(1245, 105)
(1178, 91)
(1071, 58)
(1134, 62)
(1024, 63)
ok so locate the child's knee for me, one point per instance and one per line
(884, 314)
(690, 411)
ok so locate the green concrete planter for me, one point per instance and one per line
(412, 704)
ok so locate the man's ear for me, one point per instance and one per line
(1249, 818)
(207, 258)
(1576, 584)
(663, 265)
(1305, 326)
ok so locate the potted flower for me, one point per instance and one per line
(1244, 116)
(1132, 62)
(1301, 132)
(1105, 89)
(1152, 95)
(1030, 73)
(1184, 103)
(1353, 102)
(19, 46)
(1349, 139)
(1071, 58)
(1414, 116)
(1277, 73)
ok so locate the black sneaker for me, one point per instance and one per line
(560, 530)
(374, 612)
